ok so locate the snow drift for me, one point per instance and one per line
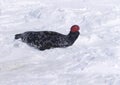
(92, 60)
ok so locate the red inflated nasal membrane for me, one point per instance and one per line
(75, 28)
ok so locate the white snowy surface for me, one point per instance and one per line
(94, 59)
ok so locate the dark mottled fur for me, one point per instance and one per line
(47, 39)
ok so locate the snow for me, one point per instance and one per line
(92, 60)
